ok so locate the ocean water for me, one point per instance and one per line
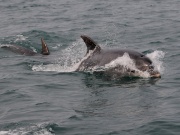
(42, 95)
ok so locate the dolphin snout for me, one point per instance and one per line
(155, 74)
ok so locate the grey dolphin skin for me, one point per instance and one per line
(28, 52)
(101, 57)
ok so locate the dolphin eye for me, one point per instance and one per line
(151, 67)
(142, 56)
(132, 71)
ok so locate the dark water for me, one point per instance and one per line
(40, 96)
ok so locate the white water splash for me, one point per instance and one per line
(68, 60)
(54, 68)
(72, 55)
(127, 63)
(35, 130)
(21, 132)
(34, 49)
(57, 46)
(20, 38)
(157, 57)
(67, 67)
(5, 45)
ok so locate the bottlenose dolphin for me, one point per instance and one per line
(96, 56)
(25, 51)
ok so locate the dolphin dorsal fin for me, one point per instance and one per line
(91, 44)
(45, 50)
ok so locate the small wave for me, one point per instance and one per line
(45, 128)
(5, 45)
(19, 132)
(39, 129)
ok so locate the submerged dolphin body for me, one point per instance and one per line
(25, 51)
(97, 57)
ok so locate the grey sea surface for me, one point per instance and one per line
(41, 95)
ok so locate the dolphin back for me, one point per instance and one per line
(25, 51)
(19, 49)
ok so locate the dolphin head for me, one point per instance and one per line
(143, 63)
